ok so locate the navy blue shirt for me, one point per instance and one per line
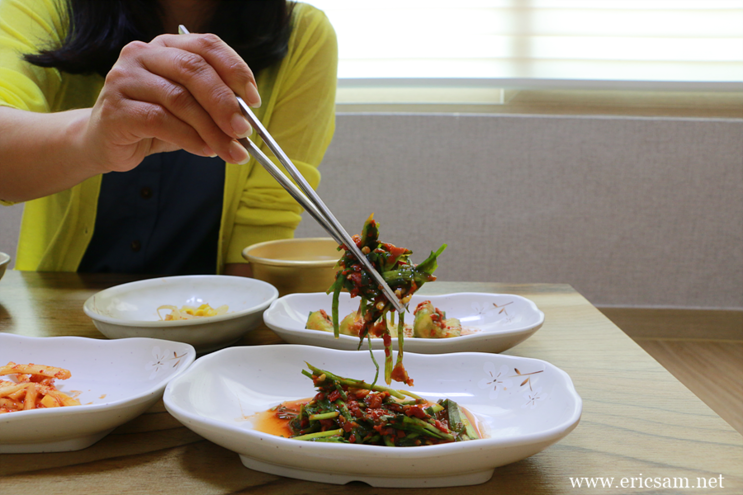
(160, 218)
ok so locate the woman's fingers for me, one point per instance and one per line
(151, 121)
(151, 128)
(194, 72)
(226, 62)
(192, 89)
(181, 103)
(175, 92)
(212, 71)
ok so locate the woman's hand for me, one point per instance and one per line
(176, 92)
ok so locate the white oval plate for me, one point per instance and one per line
(130, 310)
(503, 320)
(522, 405)
(117, 380)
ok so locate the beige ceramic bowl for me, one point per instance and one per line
(295, 265)
(4, 260)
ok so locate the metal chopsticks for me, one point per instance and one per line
(308, 198)
(304, 194)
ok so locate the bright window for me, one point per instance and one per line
(425, 48)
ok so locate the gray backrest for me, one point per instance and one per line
(629, 211)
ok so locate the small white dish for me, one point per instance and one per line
(130, 310)
(114, 380)
(4, 260)
(501, 321)
(521, 405)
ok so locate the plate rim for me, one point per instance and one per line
(90, 302)
(267, 315)
(141, 396)
(550, 435)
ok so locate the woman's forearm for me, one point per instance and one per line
(176, 92)
(41, 154)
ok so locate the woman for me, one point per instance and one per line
(118, 138)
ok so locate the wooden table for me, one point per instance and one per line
(640, 426)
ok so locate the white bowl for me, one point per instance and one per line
(501, 320)
(130, 310)
(522, 405)
(117, 381)
(4, 260)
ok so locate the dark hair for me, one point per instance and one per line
(256, 29)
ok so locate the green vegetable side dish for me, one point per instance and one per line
(403, 277)
(353, 411)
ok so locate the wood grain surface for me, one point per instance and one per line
(713, 370)
(702, 348)
(671, 323)
(640, 425)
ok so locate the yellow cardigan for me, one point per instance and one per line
(298, 109)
